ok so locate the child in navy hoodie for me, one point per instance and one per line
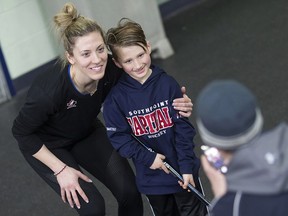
(141, 105)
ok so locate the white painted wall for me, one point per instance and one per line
(28, 42)
(24, 37)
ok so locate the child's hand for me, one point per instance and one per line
(158, 163)
(188, 178)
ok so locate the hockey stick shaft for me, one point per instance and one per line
(177, 175)
(191, 188)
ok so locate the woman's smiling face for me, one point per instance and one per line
(90, 56)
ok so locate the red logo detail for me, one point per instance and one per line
(150, 123)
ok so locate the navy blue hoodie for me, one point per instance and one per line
(146, 111)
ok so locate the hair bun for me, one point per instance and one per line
(71, 11)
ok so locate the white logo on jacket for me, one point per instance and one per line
(72, 103)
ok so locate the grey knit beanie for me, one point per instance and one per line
(227, 115)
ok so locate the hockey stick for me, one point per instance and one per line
(177, 175)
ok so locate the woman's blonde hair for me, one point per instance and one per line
(70, 25)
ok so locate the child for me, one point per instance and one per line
(141, 105)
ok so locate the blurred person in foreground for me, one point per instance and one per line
(256, 181)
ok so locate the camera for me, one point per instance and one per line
(214, 157)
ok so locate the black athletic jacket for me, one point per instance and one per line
(55, 113)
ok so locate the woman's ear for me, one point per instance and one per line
(116, 63)
(70, 58)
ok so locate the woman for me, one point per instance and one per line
(58, 130)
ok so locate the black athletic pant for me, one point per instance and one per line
(178, 204)
(97, 156)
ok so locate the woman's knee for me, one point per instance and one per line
(93, 208)
(96, 204)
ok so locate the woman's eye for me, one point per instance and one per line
(85, 54)
(102, 49)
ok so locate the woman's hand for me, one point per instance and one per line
(184, 104)
(216, 178)
(70, 188)
(158, 163)
(67, 177)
